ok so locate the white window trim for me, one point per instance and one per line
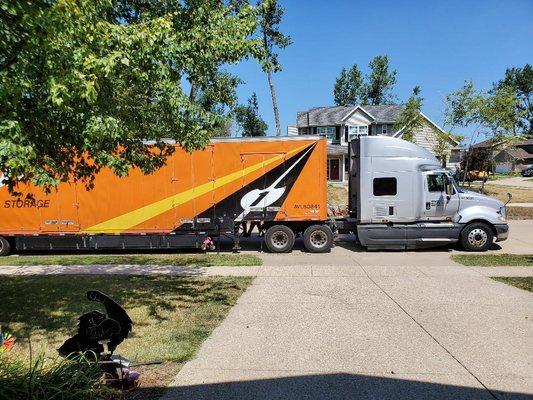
(329, 132)
(384, 129)
(359, 130)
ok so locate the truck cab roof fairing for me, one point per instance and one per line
(386, 146)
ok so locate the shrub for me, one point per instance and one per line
(55, 380)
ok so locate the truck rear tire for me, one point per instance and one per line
(477, 236)
(318, 238)
(279, 239)
(5, 246)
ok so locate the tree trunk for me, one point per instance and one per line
(465, 172)
(274, 102)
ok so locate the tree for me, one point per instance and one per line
(478, 158)
(219, 97)
(84, 83)
(270, 17)
(520, 80)
(248, 119)
(348, 87)
(378, 85)
(410, 119)
(494, 114)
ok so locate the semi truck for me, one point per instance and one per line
(399, 198)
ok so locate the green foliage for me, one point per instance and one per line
(248, 118)
(444, 140)
(495, 113)
(348, 89)
(219, 97)
(520, 81)
(378, 86)
(270, 15)
(410, 119)
(93, 79)
(61, 380)
(501, 113)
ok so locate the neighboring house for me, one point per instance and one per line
(509, 158)
(527, 146)
(341, 124)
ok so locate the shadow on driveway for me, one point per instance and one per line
(332, 387)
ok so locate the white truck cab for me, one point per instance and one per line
(401, 198)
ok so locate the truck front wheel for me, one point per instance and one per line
(318, 238)
(477, 237)
(5, 247)
(279, 239)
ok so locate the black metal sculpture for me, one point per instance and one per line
(96, 329)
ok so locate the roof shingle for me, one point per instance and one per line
(326, 116)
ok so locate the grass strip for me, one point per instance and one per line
(522, 282)
(198, 260)
(494, 260)
(172, 315)
(519, 213)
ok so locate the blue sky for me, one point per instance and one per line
(434, 44)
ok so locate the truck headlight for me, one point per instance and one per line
(503, 216)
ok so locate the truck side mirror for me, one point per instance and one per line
(449, 189)
(449, 186)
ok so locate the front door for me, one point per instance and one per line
(334, 169)
(441, 201)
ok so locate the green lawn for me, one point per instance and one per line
(494, 260)
(198, 260)
(525, 283)
(172, 315)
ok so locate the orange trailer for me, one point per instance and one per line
(276, 184)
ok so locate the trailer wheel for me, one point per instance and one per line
(318, 238)
(5, 247)
(279, 239)
(477, 237)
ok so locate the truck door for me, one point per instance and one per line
(441, 201)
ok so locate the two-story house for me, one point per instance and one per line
(341, 124)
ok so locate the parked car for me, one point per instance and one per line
(527, 171)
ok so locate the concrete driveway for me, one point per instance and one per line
(359, 325)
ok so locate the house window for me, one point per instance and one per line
(356, 130)
(384, 130)
(385, 186)
(327, 131)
